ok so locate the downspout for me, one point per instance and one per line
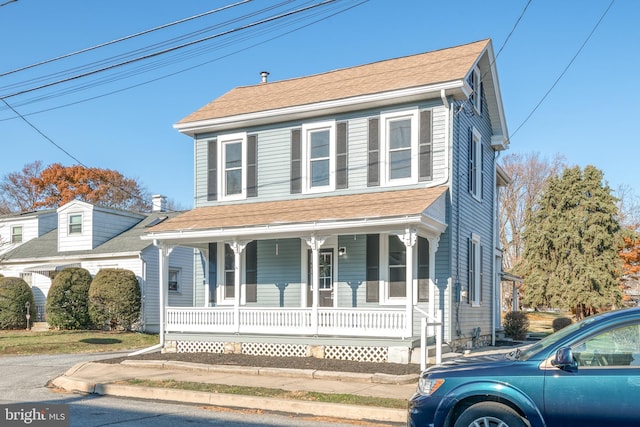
(495, 308)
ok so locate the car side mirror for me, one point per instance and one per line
(564, 360)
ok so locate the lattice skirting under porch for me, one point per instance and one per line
(354, 353)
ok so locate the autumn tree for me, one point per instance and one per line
(571, 245)
(56, 185)
(528, 174)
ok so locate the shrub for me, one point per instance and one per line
(114, 299)
(68, 299)
(14, 294)
(516, 325)
(560, 322)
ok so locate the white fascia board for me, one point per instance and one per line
(65, 258)
(339, 105)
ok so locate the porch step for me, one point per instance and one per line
(39, 327)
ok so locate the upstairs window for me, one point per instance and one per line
(16, 234)
(475, 164)
(399, 147)
(75, 224)
(232, 166)
(318, 153)
(476, 92)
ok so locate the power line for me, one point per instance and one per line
(565, 69)
(168, 50)
(141, 33)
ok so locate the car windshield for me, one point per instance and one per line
(528, 352)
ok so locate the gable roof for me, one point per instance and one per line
(46, 246)
(303, 212)
(421, 70)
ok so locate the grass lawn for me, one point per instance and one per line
(59, 342)
(540, 322)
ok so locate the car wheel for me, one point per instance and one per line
(490, 414)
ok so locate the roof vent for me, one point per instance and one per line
(264, 75)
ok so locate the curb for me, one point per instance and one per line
(335, 410)
(376, 378)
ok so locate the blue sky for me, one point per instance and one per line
(589, 116)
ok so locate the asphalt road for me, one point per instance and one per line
(24, 379)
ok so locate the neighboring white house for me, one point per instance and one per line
(334, 213)
(80, 234)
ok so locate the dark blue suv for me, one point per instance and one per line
(587, 374)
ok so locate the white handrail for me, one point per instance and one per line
(425, 322)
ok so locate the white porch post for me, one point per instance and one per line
(163, 264)
(315, 243)
(409, 238)
(237, 247)
(433, 248)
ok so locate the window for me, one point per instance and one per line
(318, 153)
(232, 166)
(475, 270)
(75, 224)
(174, 279)
(612, 348)
(475, 98)
(423, 270)
(16, 234)
(475, 163)
(397, 268)
(399, 146)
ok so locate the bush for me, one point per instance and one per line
(114, 299)
(560, 322)
(68, 299)
(14, 294)
(516, 325)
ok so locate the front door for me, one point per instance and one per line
(325, 292)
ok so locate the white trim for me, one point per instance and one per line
(477, 164)
(223, 141)
(385, 119)
(307, 129)
(333, 106)
(475, 241)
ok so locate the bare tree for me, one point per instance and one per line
(628, 208)
(17, 191)
(529, 173)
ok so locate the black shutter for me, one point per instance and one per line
(373, 268)
(252, 177)
(212, 170)
(423, 269)
(373, 170)
(213, 276)
(471, 171)
(426, 144)
(342, 179)
(251, 271)
(296, 161)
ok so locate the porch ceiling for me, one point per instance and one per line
(317, 213)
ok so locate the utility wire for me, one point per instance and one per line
(565, 69)
(172, 49)
(182, 70)
(131, 36)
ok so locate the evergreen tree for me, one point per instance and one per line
(571, 245)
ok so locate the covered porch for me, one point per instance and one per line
(329, 287)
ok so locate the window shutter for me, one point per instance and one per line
(481, 93)
(481, 275)
(423, 269)
(252, 177)
(342, 180)
(212, 170)
(251, 271)
(373, 170)
(373, 268)
(481, 166)
(470, 171)
(213, 276)
(296, 161)
(470, 260)
(426, 144)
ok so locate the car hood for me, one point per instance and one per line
(462, 363)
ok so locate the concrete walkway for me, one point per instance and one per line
(103, 379)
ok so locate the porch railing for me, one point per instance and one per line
(289, 321)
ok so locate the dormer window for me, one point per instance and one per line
(16, 234)
(75, 224)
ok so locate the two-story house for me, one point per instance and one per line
(79, 234)
(334, 212)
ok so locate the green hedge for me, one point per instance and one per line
(114, 299)
(68, 299)
(14, 294)
(516, 325)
